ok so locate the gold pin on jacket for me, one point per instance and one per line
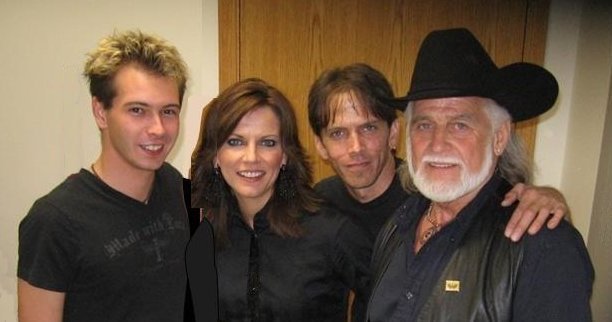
(452, 286)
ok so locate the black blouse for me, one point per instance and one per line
(265, 277)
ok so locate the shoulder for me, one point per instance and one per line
(53, 207)
(556, 251)
(329, 221)
(72, 187)
(170, 172)
(329, 185)
(327, 214)
(563, 237)
(170, 182)
(44, 216)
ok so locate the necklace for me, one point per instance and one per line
(95, 173)
(431, 230)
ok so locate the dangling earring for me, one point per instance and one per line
(214, 188)
(286, 184)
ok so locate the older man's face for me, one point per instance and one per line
(450, 147)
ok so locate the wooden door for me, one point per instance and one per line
(290, 42)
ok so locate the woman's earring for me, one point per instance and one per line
(214, 188)
(286, 184)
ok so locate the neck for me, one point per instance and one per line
(134, 183)
(382, 183)
(249, 207)
(447, 211)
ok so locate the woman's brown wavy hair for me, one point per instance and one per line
(219, 119)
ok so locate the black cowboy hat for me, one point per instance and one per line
(452, 63)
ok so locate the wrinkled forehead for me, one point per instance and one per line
(449, 106)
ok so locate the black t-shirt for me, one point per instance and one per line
(371, 215)
(117, 259)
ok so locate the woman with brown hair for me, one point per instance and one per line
(281, 254)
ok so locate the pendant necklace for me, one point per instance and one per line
(431, 230)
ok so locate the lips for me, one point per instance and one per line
(359, 165)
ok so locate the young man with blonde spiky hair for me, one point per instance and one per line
(108, 243)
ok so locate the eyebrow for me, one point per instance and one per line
(464, 116)
(140, 103)
(263, 137)
(460, 116)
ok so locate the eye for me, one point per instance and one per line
(422, 126)
(171, 111)
(460, 126)
(234, 142)
(336, 134)
(369, 128)
(136, 110)
(269, 143)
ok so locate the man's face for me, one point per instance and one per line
(450, 147)
(141, 126)
(358, 145)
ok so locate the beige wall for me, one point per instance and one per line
(48, 131)
(47, 128)
(569, 137)
(593, 95)
(574, 142)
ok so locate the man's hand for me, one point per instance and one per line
(536, 205)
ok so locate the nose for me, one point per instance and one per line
(439, 139)
(250, 153)
(156, 126)
(354, 143)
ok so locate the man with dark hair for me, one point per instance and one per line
(108, 243)
(353, 114)
(443, 255)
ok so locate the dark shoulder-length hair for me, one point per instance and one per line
(219, 119)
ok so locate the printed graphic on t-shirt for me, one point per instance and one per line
(155, 236)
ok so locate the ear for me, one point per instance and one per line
(501, 138)
(99, 113)
(321, 148)
(284, 159)
(394, 133)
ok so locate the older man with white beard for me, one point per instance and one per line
(443, 255)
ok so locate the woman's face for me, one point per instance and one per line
(251, 157)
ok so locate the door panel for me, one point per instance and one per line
(290, 42)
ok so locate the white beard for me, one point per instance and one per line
(445, 191)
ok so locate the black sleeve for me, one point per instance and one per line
(202, 273)
(48, 250)
(555, 279)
